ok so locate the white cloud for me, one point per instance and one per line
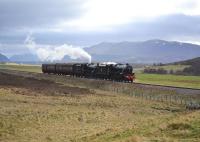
(193, 42)
(104, 14)
(87, 15)
(22, 14)
(86, 22)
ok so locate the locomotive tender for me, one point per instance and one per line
(115, 72)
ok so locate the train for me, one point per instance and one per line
(114, 72)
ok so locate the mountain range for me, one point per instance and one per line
(151, 51)
(3, 58)
(24, 58)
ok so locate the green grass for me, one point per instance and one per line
(172, 80)
(166, 79)
(22, 67)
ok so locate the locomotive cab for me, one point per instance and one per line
(123, 72)
(128, 73)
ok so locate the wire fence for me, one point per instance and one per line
(190, 102)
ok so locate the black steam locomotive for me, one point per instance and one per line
(115, 72)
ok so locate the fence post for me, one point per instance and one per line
(181, 101)
(185, 101)
(170, 99)
(175, 99)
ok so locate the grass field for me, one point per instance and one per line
(172, 80)
(167, 79)
(99, 117)
(45, 108)
(21, 67)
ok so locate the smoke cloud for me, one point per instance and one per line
(55, 53)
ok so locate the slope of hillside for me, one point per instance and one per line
(151, 51)
(3, 58)
(194, 66)
(186, 67)
(189, 62)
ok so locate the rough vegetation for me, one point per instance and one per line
(67, 109)
(37, 87)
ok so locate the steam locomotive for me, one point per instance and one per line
(115, 72)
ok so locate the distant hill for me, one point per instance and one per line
(142, 52)
(192, 69)
(3, 58)
(24, 58)
(151, 51)
(193, 61)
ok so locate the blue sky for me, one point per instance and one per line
(87, 22)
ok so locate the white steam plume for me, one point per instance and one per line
(55, 53)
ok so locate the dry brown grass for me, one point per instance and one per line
(99, 116)
(109, 117)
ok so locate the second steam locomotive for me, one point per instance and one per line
(115, 72)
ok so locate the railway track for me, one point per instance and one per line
(167, 86)
(181, 90)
